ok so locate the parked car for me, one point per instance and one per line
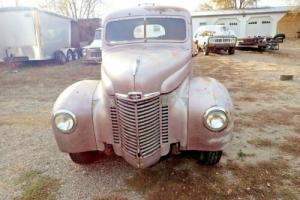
(215, 37)
(147, 104)
(29, 34)
(92, 53)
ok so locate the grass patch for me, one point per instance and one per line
(37, 186)
(111, 198)
(265, 118)
(241, 155)
(291, 146)
(166, 182)
(266, 180)
(247, 99)
(261, 142)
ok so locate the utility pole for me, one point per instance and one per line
(17, 3)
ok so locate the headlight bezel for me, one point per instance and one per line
(71, 115)
(212, 110)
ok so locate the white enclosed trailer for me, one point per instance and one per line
(29, 34)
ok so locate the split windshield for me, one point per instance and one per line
(149, 29)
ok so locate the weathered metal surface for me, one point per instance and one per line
(147, 100)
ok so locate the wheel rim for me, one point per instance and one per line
(63, 58)
(75, 56)
(70, 57)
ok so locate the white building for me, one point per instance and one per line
(244, 22)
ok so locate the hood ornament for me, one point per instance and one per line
(135, 70)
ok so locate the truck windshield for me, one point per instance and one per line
(149, 29)
(98, 35)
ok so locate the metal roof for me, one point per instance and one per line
(20, 8)
(148, 11)
(249, 11)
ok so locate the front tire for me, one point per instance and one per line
(195, 51)
(205, 50)
(209, 157)
(86, 157)
(231, 50)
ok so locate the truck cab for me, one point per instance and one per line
(92, 54)
(147, 104)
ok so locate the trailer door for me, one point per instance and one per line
(259, 26)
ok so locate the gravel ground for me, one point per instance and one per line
(262, 161)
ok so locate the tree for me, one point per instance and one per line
(228, 4)
(73, 8)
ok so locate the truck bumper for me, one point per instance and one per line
(220, 46)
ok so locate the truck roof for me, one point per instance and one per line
(20, 8)
(148, 11)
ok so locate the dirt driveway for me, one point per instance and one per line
(262, 162)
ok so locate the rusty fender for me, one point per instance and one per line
(205, 93)
(78, 99)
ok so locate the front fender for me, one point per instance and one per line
(205, 93)
(78, 99)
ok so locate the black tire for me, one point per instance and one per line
(209, 157)
(205, 50)
(262, 48)
(69, 56)
(231, 50)
(60, 58)
(279, 35)
(86, 157)
(76, 55)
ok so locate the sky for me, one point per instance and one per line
(117, 4)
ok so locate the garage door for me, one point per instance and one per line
(232, 23)
(259, 26)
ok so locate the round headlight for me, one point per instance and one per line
(64, 121)
(216, 119)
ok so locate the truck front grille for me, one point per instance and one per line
(96, 54)
(115, 127)
(140, 126)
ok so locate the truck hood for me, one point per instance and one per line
(225, 33)
(94, 44)
(144, 69)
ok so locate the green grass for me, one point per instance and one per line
(37, 186)
(241, 155)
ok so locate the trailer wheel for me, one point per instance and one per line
(60, 58)
(75, 55)
(86, 157)
(209, 157)
(69, 56)
(231, 50)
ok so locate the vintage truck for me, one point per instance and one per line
(215, 37)
(147, 104)
(92, 53)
